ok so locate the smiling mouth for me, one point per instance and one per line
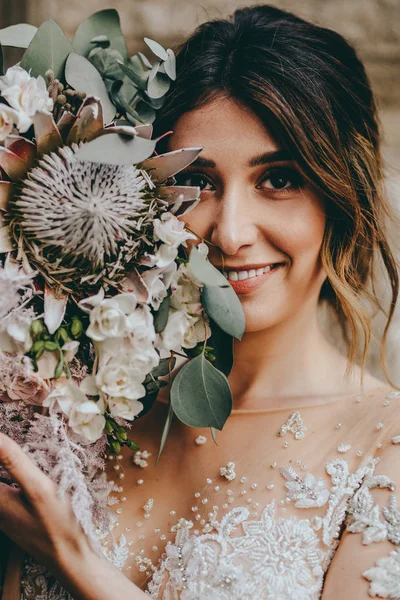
(243, 275)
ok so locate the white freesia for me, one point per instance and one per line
(185, 293)
(173, 335)
(172, 233)
(157, 281)
(26, 94)
(8, 119)
(124, 408)
(15, 337)
(85, 417)
(197, 331)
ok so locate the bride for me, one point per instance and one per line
(297, 499)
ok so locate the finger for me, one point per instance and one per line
(34, 483)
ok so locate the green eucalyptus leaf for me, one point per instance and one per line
(138, 80)
(102, 23)
(18, 36)
(84, 77)
(106, 62)
(222, 343)
(170, 65)
(164, 367)
(156, 48)
(201, 395)
(48, 49)
(165, 432)
(101, 40)
(146, 113)
(214, 435)
(155, 103)
(204, 271)
(224, 307)
(144, 60)
(161, 316)
(116, 149)
(158, 86)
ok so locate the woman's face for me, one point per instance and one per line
(257, 211)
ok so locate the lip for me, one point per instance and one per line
(247, 286)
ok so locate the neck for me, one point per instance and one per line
(290, 359)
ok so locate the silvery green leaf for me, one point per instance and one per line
(101, 40)
(84, 77)
(223, 346)
(200, 395)
(18, 36)
(48, 49)
(115, 149)
(141, 82)
(156, 48)
(101, 23)
(145, 60)
(170, 64)
(161, 316)
(158, 86)
(146, 113)
(165, 165)
(204, 271)
(224, 307)
(107, 62)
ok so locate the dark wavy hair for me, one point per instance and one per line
(307, 84)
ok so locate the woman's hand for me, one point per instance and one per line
(38, 521)
(34, 516)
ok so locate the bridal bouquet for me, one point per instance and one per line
(98, 294)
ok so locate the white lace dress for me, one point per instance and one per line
(257, 524)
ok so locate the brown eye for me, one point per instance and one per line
(193, 179)
(281, 180)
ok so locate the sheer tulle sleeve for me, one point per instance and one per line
(369, 562)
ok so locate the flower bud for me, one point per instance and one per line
(37, 327)
(50, 346)
(108, 427)
(62, 334)
(59, 369)
(37, 346)
(115, 445)
(76, 327)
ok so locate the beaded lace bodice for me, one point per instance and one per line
(260, 515)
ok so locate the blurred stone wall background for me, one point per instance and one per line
(372, 26)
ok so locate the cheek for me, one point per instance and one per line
(298, 232)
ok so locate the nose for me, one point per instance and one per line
(234, 224)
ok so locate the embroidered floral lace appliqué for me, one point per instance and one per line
(272, 557)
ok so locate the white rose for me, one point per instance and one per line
(85, 417)
(124, 408)
(26, 94)
(109, 318)
(8, 118)
(118, 378)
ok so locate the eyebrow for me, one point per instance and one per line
(256, 161)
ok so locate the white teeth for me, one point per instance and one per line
(242, 275)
